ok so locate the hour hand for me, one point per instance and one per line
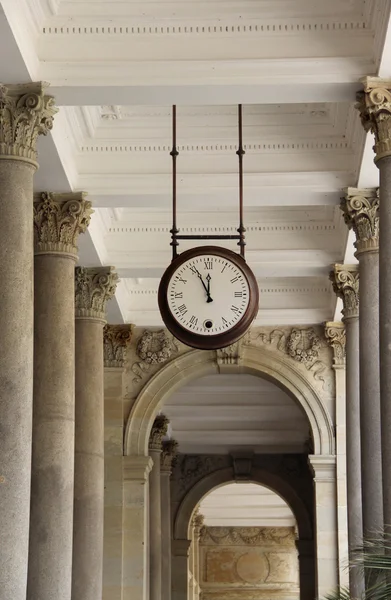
(208, 279)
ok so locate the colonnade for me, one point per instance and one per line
(51, 373)
(366, 293)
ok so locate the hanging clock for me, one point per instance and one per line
(208, 296)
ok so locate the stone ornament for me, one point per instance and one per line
(361, 213)
(345, 280)
(153, 348)
(168, 455)
(248, 536)
(335, 334)
(302, 345)
(115, 341)
(374, 105)
(229, 355)
(93, 287)
(58, 220)
(25, 113)
(158, 431)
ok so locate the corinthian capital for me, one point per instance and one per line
(345, 280)
(374, 105)
(25, 113)
(336, 337)
(158, 431)
(93, 287)
(115, 340)
(168, 455)
(361, 213)
(58, 220)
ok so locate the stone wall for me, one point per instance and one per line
(248, 563)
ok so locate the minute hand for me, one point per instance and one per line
(209, 299)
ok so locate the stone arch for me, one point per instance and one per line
(223, 476)
(256, 361)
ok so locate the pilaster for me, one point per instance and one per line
(360, 209)
(374, 105)
(345, 280)
(94, 286)
(116, 339)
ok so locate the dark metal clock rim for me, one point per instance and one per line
(221, 340)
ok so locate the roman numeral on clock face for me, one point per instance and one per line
(235, 279)
(193, 320)
(238, 294)
(234, 309)
(178, 294)
(182, 309)
(208, 265)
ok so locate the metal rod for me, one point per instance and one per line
(174, 153)
(208, 237)
(240, 152)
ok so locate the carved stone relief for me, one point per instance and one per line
(115, 341)
(190, 468)
(303, 345)
(153, 348)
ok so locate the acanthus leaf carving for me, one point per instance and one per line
(93, 287)
(116, 338)
(25, 113)
(374, 106)
(58, 221)
(153, 348)
(346, 280)
(360, 208)
(335, 334)
(302, 345)
(158, 431)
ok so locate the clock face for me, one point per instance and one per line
(208, 294)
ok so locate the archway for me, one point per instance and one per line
(256, 361)
(273, 481)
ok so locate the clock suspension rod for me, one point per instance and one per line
(240, 152)
(174, 153)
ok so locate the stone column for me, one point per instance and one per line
(307, 569)
(180, 559)
(361, 212)
(115, 341)
(159, 430)
(335, 335)
(190, 564)
(93, 287)
(345, 280)
(135, 527)
(58, 220)
(198, 525)
(374, 105)
(25, 113)
(170, 449)
(326, 524)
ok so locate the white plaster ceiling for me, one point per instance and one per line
(246, 505)
(222, 413)
(117, 66)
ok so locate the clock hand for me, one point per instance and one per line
(209, 299)
(208, 279)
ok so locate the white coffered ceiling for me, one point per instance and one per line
(245, 505)
(117, 66)
(218, 414)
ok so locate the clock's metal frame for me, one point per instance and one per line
(220, 340)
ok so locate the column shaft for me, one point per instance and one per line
(353, 450)
(93, 288)
(180, 567)
(24, 114)
(166, 534)
(50, 544)
(385, 331)
(371, 461)
(16, 372)
(155, 530)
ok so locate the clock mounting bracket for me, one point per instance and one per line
(175, 233)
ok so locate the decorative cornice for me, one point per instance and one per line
(115, 340)
(360, 209)
(158, 431)
(136, 468)
(25, 113)
(267, 228)
(58, 220)
(248, 536)
(168, 455)
(335, 334)
(93, 287)
(345, 280)
(374, 105)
